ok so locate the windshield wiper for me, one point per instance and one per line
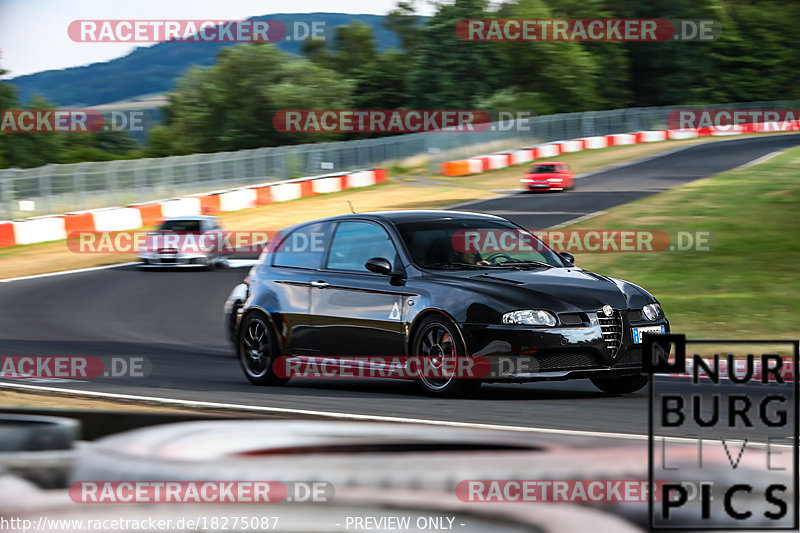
(515, 264)
(455, 265)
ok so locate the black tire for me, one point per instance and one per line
(623, 385)
(257, 348)
(436, 335)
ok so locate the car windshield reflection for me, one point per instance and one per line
(461, 244)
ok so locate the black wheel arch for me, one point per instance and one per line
(255, 310)
(432, 311)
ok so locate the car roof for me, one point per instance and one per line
(191, 217)
(400, 216)
(549, 163)
(418, 215)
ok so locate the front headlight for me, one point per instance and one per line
(530, 317)
(652, 311)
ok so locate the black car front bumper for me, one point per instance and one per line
(527, 353)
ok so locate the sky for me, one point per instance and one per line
(33, 33)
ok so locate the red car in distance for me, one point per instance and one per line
(553, 176)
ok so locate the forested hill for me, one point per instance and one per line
(154, 69)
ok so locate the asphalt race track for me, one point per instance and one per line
(174, 318)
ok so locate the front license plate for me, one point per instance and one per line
(637, 332)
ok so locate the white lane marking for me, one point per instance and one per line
(353, 416)
(637, 161)
(761, 159)
(233, 263)
(587, 174)
(64, 272)
(617, 167)
(511, 213)
(241, 263)
(48, 380)
(578, 219)
(597, 213)
(496, 197)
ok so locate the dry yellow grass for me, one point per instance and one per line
(54, 400)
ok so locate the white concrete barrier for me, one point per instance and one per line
(117, 219)
(651, 136)
(360, 179)
(571, 146)
(620, 139)
(475, 165)
(180, 207)
(546, 150)
(237, 199)
(497, 161)
(593, 143)
(519, 157)
(285, 192)
(683, 134)
(327, 185)
(41, 229)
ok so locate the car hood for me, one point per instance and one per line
(556, 289)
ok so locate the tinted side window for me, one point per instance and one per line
(355, 242)
(303, 248)
(180, 225)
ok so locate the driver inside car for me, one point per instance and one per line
(470, 257)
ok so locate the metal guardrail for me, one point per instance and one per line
(58, 188)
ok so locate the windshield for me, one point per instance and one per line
(475, 244)
(543, 169)
(180, 225)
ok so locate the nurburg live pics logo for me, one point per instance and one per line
(743, 421)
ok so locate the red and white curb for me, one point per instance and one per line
(58, 227)
(495, 161)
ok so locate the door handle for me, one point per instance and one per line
(319, 284)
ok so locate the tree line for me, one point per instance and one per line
(229, 105)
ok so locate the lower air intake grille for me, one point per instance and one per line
(632, 357)
(566, 361)
(612, 331)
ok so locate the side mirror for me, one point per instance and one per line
(568, 257)
(379, 265)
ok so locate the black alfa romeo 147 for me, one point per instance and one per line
(450, 299)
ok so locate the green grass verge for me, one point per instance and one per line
(745, 287)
